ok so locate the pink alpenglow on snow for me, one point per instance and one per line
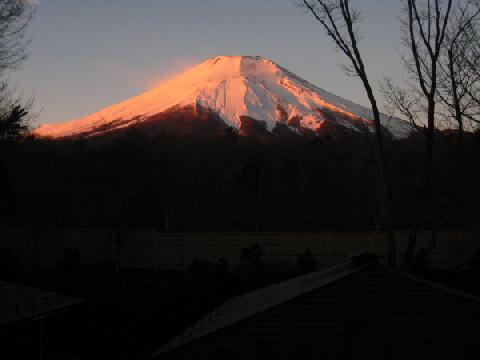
(233, 87)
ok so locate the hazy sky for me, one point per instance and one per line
(88, 54)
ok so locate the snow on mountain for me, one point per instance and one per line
(234, 87)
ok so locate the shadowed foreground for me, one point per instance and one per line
(370, 313)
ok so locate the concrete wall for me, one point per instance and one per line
(148, 249)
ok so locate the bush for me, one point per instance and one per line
(306, 262)
(252, 257)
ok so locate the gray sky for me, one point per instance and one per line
(89, 54)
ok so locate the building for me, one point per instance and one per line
(356, 310)
(23, 312)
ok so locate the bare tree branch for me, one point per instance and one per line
(14, 18)
(339, 21)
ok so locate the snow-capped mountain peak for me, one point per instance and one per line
(233, 87)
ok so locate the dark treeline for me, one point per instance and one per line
(230, 183)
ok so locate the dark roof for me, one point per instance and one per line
(22, 303)
(370, 313)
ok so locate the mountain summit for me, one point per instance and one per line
(234, 90)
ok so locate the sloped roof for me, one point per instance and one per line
(369, 313)
(22, 303)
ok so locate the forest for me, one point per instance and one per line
(181, 183)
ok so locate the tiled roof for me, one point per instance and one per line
(20, 303)
(371, 313)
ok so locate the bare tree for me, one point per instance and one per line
(340, 22)
(458, 81)
(461, 66)
(442, 62)
(14, 18)
(15, 15)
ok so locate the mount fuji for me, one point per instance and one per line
(240, 92)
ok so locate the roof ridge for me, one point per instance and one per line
(244, 306)
(445, 288)
(25, 303)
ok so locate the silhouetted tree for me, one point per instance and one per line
(14, 122)
(14, 18)
(435, 37)
(458, 80)
(340, 21)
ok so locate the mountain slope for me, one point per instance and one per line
(234, 88)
